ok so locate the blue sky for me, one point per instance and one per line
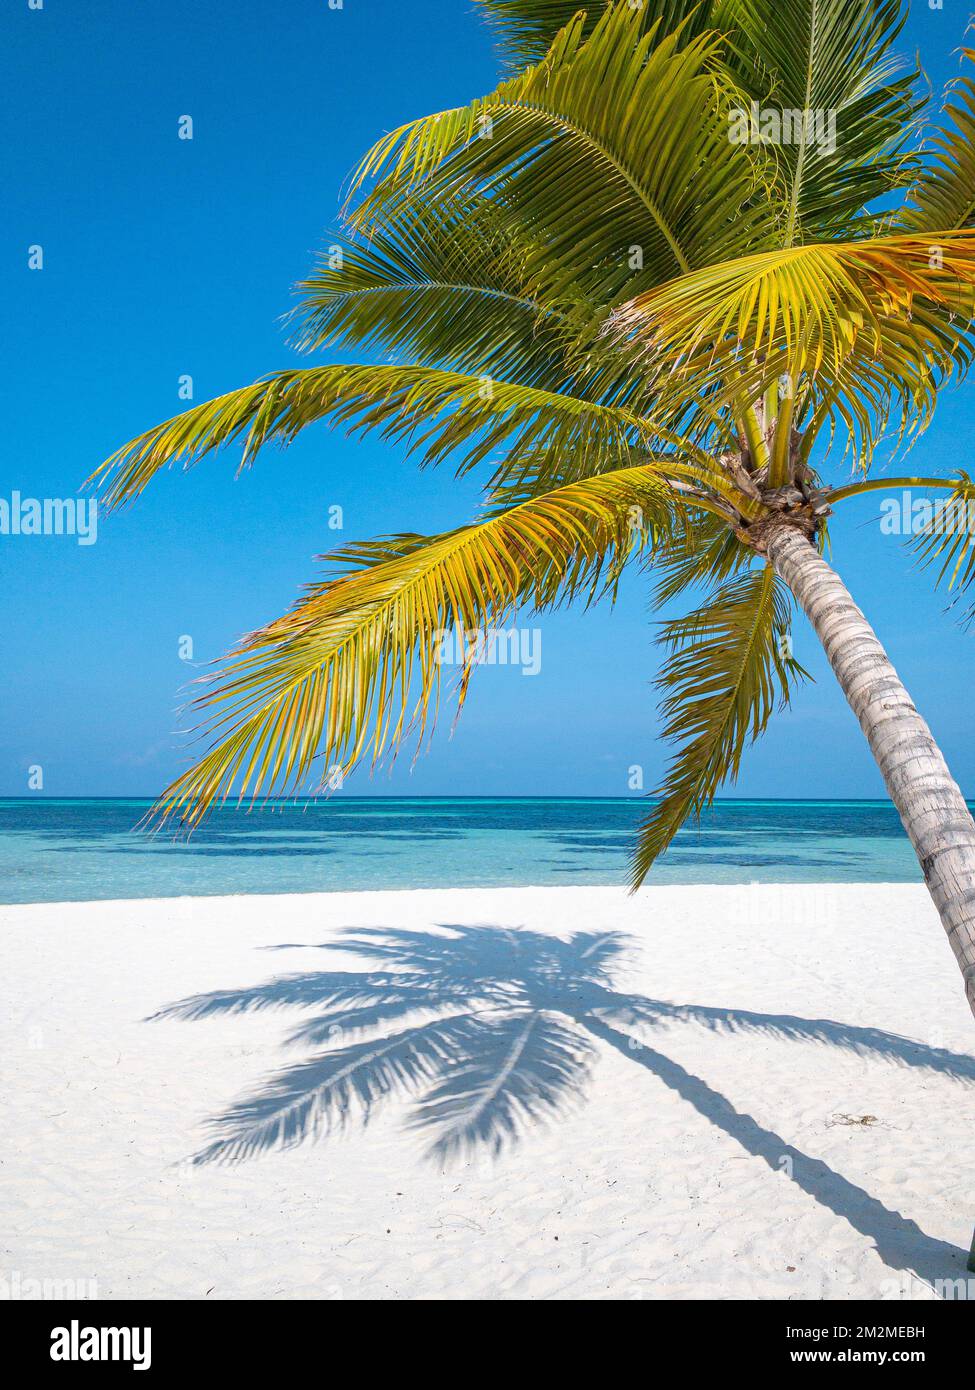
(165, 257)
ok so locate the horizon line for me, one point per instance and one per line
(312, 799)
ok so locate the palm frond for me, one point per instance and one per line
(820, 56)
(357, 661)
(701, 550)
(528, 28)
(944, 195)
(945, 538)
(865, 485)
(433, 412)
(724, 675)
(614, 151)
(891, 394)
(854, 327)
(836, 62)
(444, 283)
(800, 307)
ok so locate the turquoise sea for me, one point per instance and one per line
(78, 850)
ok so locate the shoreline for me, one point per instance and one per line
(784, 886)
(777, 1104)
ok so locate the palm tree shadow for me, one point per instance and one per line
(488, 1031)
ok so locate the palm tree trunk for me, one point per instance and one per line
(930, 804)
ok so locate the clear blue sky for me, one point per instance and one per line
(165, 257)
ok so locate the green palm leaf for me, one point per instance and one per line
(819, 55)
(446, 284)
(944, 194)
(856, 328)
(357, 661)
(614, 150)
(434, 412)
(801, 306)
(528, 28)
(946, 538)
(701, 550)
(833, 58)
(723, 677)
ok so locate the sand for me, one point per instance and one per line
(538, 1093)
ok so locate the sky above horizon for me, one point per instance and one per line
(165, 258)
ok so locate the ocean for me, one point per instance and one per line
(85, 850)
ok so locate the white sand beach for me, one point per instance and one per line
(769, 1093)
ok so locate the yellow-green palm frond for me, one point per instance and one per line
(891, 394)
(726, 671)
(835, 61)
(820, 56)
(809, 303)
(701, 550)
(851, 326)
(945, 536)
(941, 529)
(528, 28)
(944, 194)
(700, 478)
(355, 664)
(444, 283)
(614, 151)
(433, 412)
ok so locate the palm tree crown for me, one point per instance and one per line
(658, 331)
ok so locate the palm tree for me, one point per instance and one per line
(663, 329)
(489, 1032)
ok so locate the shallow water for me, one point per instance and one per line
(76, 850)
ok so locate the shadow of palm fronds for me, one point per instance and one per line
(486, 1030)
(489, 1031)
